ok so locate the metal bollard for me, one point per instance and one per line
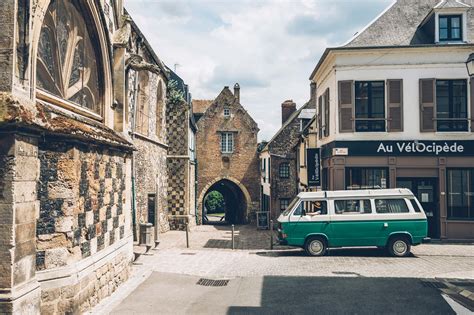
(232, 237)
(187, 235)
(271, 234)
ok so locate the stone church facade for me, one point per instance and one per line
(83, 151)
(226, 144)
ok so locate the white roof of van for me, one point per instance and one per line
(357, 193)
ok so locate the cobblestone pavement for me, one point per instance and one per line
(210, 255)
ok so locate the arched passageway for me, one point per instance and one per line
(235, 204)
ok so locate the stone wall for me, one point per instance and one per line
(151, 178)
(81, 193)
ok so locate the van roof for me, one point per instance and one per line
(357, 193)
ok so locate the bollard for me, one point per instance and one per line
(187, 235)
(271, 234)
(232, 237)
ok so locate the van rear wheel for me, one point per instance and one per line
(315, 246)
(399, 246)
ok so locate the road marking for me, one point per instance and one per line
(457, 308)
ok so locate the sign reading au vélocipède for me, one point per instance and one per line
(404, 148)
(313, 160)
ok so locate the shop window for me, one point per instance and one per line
(450, 28)
(460, 191)
(451, 105)
(366, 178)
(369, 106)
(391, 206)
(68, 63)
(353, 206)
(227, 142)
(284, 170)
(284, 203)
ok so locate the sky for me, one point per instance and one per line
(270, 47)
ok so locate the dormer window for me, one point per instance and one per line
(450, 28)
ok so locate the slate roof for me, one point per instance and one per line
(399, 25)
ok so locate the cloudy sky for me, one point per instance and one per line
(269, 47)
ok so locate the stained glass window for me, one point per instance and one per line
(67, 60)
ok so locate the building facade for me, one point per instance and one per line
(395, 109)
(278, 159)
(226, 143)
(83, 149)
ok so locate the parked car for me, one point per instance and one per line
(391, 218)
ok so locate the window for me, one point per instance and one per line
(352, 206)
(284, 203)
(451, 105)
(366, 178)
(227, 142)
(284, 170)
(415, 205)
(460, 191)
(315, 207)
(391, 206)
(450, 27)
(226, 112)
(142, 118)
(160, 102)
(67, 62)
(369, 106)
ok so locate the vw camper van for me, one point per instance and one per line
(390, 218)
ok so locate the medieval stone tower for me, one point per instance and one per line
(226, 143)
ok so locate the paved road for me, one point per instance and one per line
(357, 281)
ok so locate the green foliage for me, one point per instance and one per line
(174, 96)
(215, 202)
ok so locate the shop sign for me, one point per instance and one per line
(340, 151)
(313, 157)
(405, 148)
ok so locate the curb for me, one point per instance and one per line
(454, 289)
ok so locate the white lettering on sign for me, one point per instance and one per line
(413, 147)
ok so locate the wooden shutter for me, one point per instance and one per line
(395, 105)
(427, 105)
(472, 104)
(346, 106)
(320, 117)
(326, 113)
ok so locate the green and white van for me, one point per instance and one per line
(391, 218)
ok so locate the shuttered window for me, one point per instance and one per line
(326, 113)
(320, 117)
(369, 106)
(346, 106)
(395, 105)
(427, 105)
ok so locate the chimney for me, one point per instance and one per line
(313, 94)
(237, 92)
(287, 109)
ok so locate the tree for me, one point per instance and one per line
(215, 202)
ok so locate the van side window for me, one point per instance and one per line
(391, 206)
(352, 206)
(415, 205)
(299, 210)
(316, 207)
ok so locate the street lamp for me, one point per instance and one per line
(470, 65)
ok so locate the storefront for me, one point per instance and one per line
(440, 174)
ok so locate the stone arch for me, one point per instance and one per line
(232, 180)
(100, 31)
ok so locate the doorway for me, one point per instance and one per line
(426, 190)
(232, 205)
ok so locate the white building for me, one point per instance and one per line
(395, 109)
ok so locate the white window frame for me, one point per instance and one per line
(227, 142)
(463, 14)
(226, 112)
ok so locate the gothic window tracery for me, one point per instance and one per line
(68, 63)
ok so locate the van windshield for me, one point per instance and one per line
(288, 209)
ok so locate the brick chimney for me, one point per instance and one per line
(237, 92)
(287, 108)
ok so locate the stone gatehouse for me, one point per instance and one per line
(226, 143)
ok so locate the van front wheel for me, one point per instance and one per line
(315, 246)
(399, 246)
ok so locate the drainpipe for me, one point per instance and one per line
(196, 189)
(133, 124)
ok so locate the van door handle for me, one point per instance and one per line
(385, 225)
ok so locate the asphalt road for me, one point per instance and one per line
(165, 293)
